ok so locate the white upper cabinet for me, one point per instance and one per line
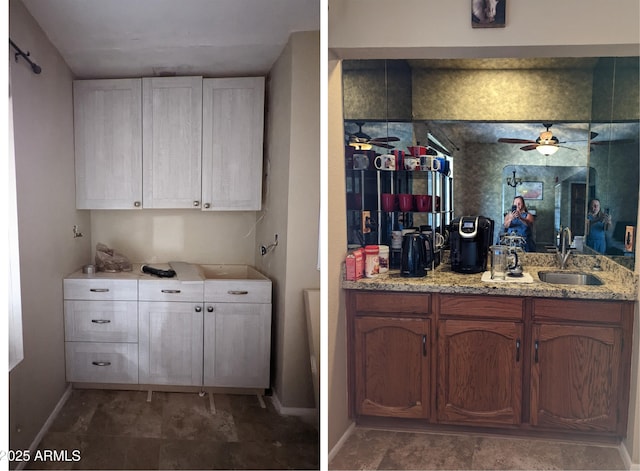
(108, 143)
(172, 141)
(169, 142)
(232, 133)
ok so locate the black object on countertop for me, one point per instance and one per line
(158, 272)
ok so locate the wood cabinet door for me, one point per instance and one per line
(172, 141)
(479, 372)
(170, 343)
(392, 376)
(107, 118)
(575, 377)
(232, 134)
(237, 345)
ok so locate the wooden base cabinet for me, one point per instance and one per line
(536, 364)
(579, 372)
(480, 365)
(392, 367)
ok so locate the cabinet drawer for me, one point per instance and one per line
(101, 321)
(241, 291)
(485, 306)
(170, 290)
(576, 310)
(101, 289)
(94, 362)
(390, 303)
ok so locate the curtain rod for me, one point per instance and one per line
(35, 67)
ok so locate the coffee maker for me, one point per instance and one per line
(470, 238)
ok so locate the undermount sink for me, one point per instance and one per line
(231, 272)
(569, 278)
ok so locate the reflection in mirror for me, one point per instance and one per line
(557, 199)
(591, 104)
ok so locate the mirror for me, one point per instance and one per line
(441, 97)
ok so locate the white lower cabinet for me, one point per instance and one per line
(237, 344)
(170, 344)
(102, 362)
(101, 330)
(129, 329)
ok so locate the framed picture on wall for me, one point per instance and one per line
(488, 13)
(530, 190)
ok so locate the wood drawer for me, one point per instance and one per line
(502, 307)
(392, 303)
(101, 321)
(93, 362)
(237, 291)
(579, 310)
(171, 290)
(101, 289)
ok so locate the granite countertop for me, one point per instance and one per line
(619, 283)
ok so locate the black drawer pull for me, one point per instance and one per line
(535, 345)
(99, 290)
(100, 321)
(517, 350)
(171, 291)
(101, 363)
(424, 345)
(237, 292)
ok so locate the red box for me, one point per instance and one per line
(355, 265)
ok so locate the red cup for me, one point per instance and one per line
(417, 151)
(406, 202)
(423, 203)
(389, 201)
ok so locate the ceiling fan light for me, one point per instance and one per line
(547, 149)
(360, 145)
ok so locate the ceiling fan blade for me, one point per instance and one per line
(437, 147)
(508, 140)
(619, 141)
(381, 144)
(386, 139)
(529, 147)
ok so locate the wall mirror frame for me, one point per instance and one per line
(593, 105)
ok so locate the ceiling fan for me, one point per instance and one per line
(363, 141)
(546, 144)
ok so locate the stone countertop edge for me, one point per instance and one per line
(620, 284)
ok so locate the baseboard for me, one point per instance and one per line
(334, 451)
(47, 424)
(624, 454)
(304, 412)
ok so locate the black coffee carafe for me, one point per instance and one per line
(415, 255)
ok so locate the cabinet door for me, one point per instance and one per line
(575, 377)
(237, 345)
(233, 117)
(479, 372)
(170, 340)
(172, 137)
(392, 376)
(108, 143)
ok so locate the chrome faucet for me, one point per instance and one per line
(563, 256)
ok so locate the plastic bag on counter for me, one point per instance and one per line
(109, 260)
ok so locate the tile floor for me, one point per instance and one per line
(121, 430)
(379, 449)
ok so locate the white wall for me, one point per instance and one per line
(291, 208)
(159, 235)
(43, 125)
(431, 29)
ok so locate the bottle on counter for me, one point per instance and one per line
(383, 258)
(372, 261)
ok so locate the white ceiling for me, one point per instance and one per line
(135, 38)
